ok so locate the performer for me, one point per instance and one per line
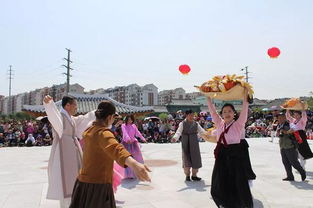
(65, 157)
(297, 124)
(130, 132)
(272, 129)
(93, 187)
(118, 171)
(189, 130)
(288, 149)
(232, 169)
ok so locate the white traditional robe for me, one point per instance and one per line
(65, 157)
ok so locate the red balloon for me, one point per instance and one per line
(273, 52)
(184, 69)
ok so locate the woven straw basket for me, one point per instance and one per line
(235, 93)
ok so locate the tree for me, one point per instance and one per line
(256, 109)
(163, 116)
(16, 116)
(140, 118)
(310, 102)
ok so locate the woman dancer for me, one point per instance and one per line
(297, 124)
(93, 187)
(232, 169)
(130, 132)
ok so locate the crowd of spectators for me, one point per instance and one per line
(25, 133)
(155, 130)
(261, 124)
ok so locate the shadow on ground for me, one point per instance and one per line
(309, 175)
(257, 203)
(302, 185)
(197, 185)
(135, 184)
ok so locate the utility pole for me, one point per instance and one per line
(246, 73)
(10, 106)
(53, 92)
(68, 69)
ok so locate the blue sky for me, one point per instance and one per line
(123, 42)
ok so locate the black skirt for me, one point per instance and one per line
(90, 195)
(232, 170)
(304, 148)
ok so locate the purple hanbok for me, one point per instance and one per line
(130, 132)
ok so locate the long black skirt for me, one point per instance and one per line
(304, 148)
(90, 195)
(232, 170)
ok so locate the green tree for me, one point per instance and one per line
(310, 103)
(163, 116)
(310, 100)
(256, 109)
(140, 118)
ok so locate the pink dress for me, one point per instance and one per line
(130, 132)
(237, 131)
(297, 125)
(118, 176)
(232, 168)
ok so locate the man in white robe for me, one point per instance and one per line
(66, 153)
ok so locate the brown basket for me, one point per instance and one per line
(235, 93)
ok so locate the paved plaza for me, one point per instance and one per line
(23, 179)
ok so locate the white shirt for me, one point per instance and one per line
(32, 139)
(181, 128)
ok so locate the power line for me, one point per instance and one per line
(68, 75)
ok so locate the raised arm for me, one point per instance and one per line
(289, 117)
(304, 118)
(216, 118)
(54, 115)
(243, 114)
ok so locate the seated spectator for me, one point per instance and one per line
(1, 129)
(47, 140)
(30, 141)
(10, 137)
(2, 140)
(22, 139)
(39, 140)
(17, 135)
(30, 129)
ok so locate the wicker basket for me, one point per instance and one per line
(297, 107)
(235, 93)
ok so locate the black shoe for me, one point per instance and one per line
(187, 178)
(195, 178)
(288, 179)
(303, 176)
